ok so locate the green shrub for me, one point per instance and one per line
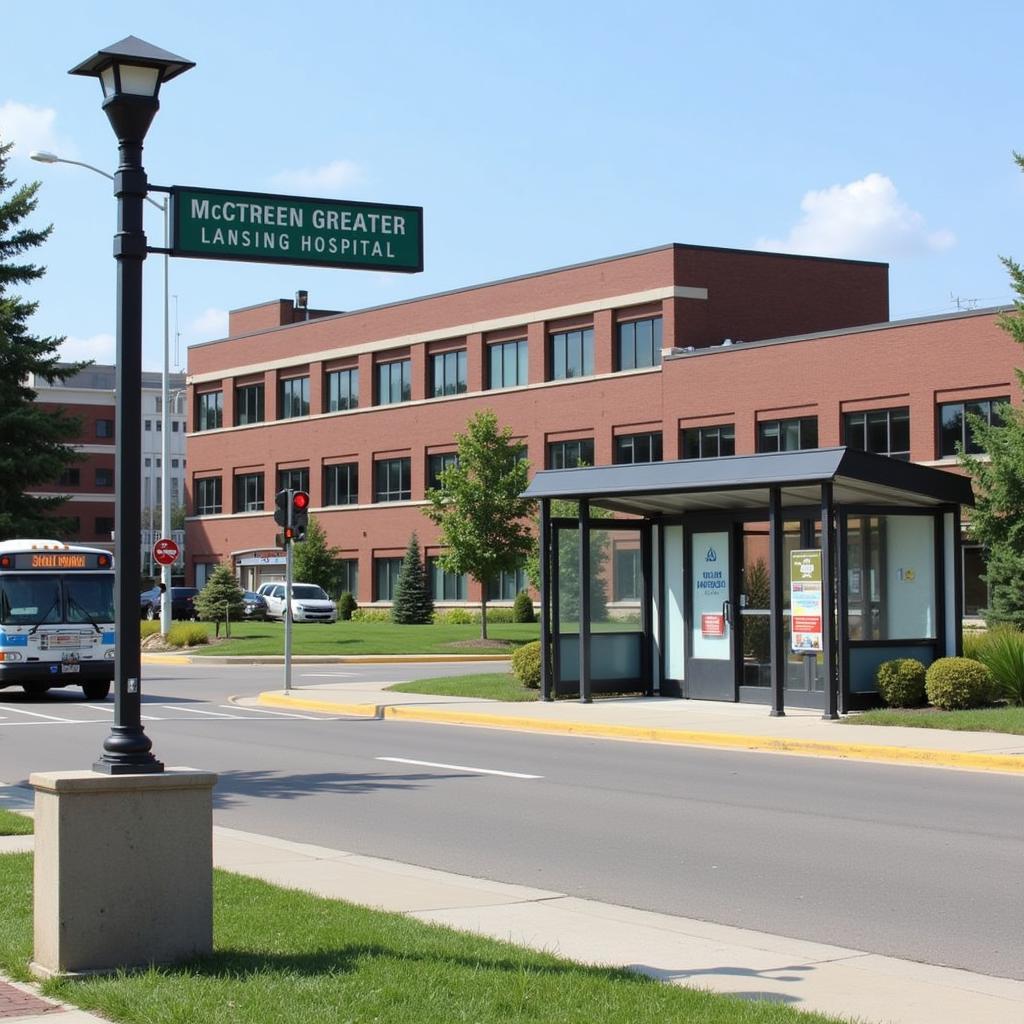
(901, 682)
(346, 606)
(454, 617)
(497, 615)
(958, 683)
(371, 615)
(526, 664)
(522, 608)
(188, 634)
(149, 628)
(1002, 653)
(974, 643)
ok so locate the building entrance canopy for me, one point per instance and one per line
(888, 533)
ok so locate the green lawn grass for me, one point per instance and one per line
(12, 824)
(1010, 720)
(487, 685)
(284, 957)
(261, 638)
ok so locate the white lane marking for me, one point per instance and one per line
(194, 711)
(282, 714)
(460, 768)
(35, 714)
(327, 675)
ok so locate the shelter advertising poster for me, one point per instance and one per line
(805, 601)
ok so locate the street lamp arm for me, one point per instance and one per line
(43, 157)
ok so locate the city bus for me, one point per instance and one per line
(56, 617)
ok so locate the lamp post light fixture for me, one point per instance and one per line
(45, 157)
(130, 73)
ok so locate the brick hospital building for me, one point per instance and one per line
(678, 352)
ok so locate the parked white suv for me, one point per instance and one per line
(309, 603)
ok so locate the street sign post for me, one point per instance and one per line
(219, 224)
(165, 551)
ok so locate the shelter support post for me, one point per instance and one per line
(776, 531)
(584, 610)
(647, 609)
(544, 547)
(828, 589)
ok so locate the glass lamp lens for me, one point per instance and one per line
(139, 81)
(107, 81)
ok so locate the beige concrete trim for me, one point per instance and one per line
(478, 327)
(86, 781)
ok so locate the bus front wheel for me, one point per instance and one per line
(96, 689)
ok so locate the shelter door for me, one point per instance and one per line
(710, 661)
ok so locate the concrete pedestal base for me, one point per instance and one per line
(123, 869)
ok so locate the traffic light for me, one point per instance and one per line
(300, 514)
(283, 501)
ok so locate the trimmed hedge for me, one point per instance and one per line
(901, 682)
(346, 606)
(371, 615)
(522, 608)
(188, 634)
(526, 664)
(454, 617)
(958, 683)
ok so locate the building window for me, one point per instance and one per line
(104, 477)
(787, 435)
(104, 428)
(437, 464)
(149, 425)
(509, 364)
(147, 463)
(448, 372)
(639, 344)
(71, 477)
(348, 575)
(976, 596)
(627, 580)
(174, 463)
(293, 479)
(445, 586)
(104, 525)
(294, 398)
(249, 404)
(954, 428)
(882, 431)
(385, 578)
(394, 382)
(342, 390)
(174, 426)
(341, 485)
(709, 442)
(392, 480)
(159, 426)
(638, 447)
(210, 410)
(569, 454)
(208, 496)
(249, 492)
(507, 585)
(572, 354)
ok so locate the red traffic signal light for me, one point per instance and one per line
(300, 514)
(300, 501)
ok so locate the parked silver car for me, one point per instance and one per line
(309, 603)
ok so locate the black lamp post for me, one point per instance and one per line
(130, 73)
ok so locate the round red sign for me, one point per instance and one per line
(165, 551)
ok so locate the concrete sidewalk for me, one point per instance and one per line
(755, 965)
(669, 720)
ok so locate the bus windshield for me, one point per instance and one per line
(36, 599)
(90, 598)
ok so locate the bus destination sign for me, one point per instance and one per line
(61, 560)
(261, 228)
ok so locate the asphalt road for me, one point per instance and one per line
(924, 864)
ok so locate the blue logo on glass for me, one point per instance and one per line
(711, 556)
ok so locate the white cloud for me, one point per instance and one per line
(32, 128)
(99, 348)
(338, 174)
(865, 219)
(211, 323)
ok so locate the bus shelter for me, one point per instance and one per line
(783, 579)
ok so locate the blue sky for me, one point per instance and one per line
(536, 135)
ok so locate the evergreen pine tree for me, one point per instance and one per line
(997, 521)
(412, 604)
(34, 442)
(221, 599)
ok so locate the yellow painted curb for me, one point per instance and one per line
(808, 748)
(283, 700)
(166, 659)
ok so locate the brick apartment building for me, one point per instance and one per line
(89, 483)
(677, 352)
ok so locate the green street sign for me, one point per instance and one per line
(216, 224)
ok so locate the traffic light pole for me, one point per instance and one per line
(288, 547)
